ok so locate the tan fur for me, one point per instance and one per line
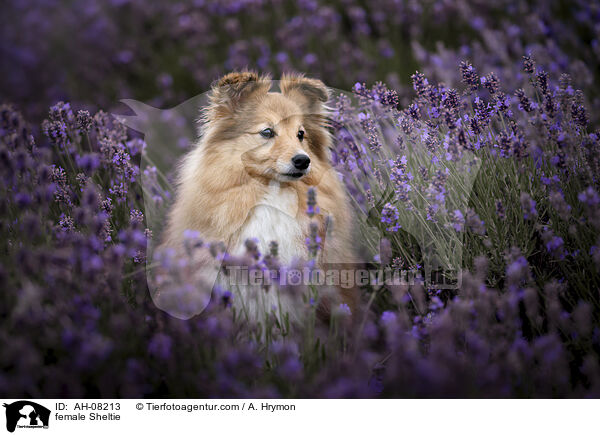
(229, 171)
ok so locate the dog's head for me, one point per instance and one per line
(278, 136)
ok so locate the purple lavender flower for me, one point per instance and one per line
(474, 223)
(578, 111)
(420, 84)
(542, 81)
(88, 162)
(528, 206)
(458, 220)
(136, 216)
(469, 76)
(554, 244)
(390, 216)
(517, 270)
(500, 210)
(84, 120)
(491, 83)
(528, 64)
(401, 178)
(343, 310)
(557, 200)
(313, 241)
(388, 317)
(589, 197)
(524, 103)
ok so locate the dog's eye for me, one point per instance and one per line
(300, 135)
(267, 133)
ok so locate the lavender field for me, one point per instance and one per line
(472, 123)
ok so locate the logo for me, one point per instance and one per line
(26, 414)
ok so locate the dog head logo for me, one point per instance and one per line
(26, 414)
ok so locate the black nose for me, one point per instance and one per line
(301, 161)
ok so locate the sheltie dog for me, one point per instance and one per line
(248, 177)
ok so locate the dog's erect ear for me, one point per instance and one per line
(231, 90)
(235, 78)
(312, 93)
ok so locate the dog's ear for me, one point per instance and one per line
(311, 93)
(231, 90)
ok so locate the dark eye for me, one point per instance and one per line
(267, 133)
(300, 135)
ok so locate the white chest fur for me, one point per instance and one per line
(274, 219)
